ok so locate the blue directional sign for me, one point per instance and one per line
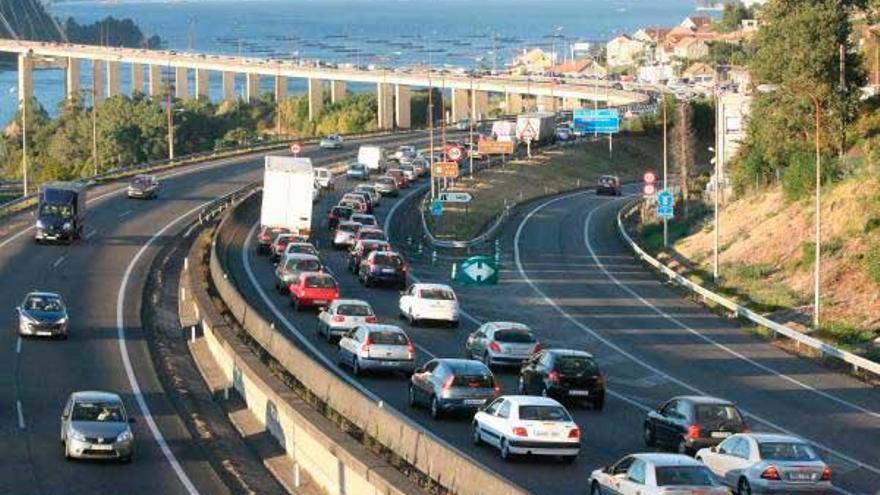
(602, 121)
(665, 204)
(436, 208)
(478, 270)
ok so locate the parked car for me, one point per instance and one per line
(267, 237)
(313, 289)
(345, 232)
(357, 171)
(565, 375)
(342, 315)
(43, 314)
(655, 474)
(143, 186)
(377, 347)
(608, 184)
(399, 178)
(337, 214)
(429, 302)
(332, 142)
(369, 189)
(289, 270)
(299, 248)
(370, 234)
(365, 220)
(768, 463)
(563, 134)
(385, 267)
(449, 385)
(523, 424)
(502, 343)
(94, 425)
(362, 249)
(689, 423)
(387, 186)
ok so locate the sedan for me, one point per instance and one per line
(331, 142)
(429, 302)
(344, 234)
(565, 375)
(768, 463)
(689, 423)
(502, 343)
(387, 186)
(383, 267)
(655, 474)
(517, 424)
(143, 186)
(447, 385)
(94, 425)
(357, 171)
(377, 347)
(43, 314)
(342, 315)
(313, 289)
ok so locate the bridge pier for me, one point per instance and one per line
(137, 79)
(513, 103)
(155, 82)
(337, 91)
(479, 105)
(316, 98)
(112, 78)
(280, 88)
(99, 89)
(202, 83)
(385, 99)
(252, 87)
(460, 104)
(181, 83)
(71, 79)
(403, 106)
(229, 85)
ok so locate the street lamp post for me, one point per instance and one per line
(24, 149)
(665, 170)
(170, 117)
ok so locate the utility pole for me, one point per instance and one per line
(95, 128)
(817, 264)
(24, 148)
(665, 167)
(471, 128)
(431, 127)
(719, 116)
(170, 115)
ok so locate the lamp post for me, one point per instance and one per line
(665, 170)
(24, 149)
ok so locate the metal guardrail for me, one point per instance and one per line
(857, 362)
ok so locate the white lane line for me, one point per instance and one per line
(58, 261)
(18, 346)
(126, 360)
(589, 331)
(125, 213)
(91, 234)
(18, 408)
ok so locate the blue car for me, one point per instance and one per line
(357, 171)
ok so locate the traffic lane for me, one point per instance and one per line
(655, 340)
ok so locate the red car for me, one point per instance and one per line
(313, 289)
(399, 177)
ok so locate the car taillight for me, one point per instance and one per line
(338, 318)
(447, 384)
(371, 319)
(771, 473)
(600, 380)
(574, 433)
(496, 388)
(826, 474)
(520, 431)
(553, 376)
(410, 349)
(367, 344)
(694, 431)
(494, 346)
(537, 348)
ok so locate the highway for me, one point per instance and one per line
(102, 278)
(568, 276)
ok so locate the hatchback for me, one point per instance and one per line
(43, 314)
(655, 474)
(342, 315)
(399, 178)
(280, 244)
(369, 189)
(288, 271)
(447, 385)
(359, 198)
(94, 425)
(337, 214)
(345, 232)
(608, 184)
(143, 186)
(688, 423)
(313, 289)
(377, 347)
(357, 171)
(565, 375)
(429, 302)
(502, 343)
(370, 234)
(361, 250)
(387, 186)
(365, 220)
(267, 236)
(385, 267)
(299, 248)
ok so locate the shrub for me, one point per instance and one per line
(873, 262)
(799, 177)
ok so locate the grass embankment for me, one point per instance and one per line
(554, 171)
(767, 252)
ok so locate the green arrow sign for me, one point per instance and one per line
(480, 270)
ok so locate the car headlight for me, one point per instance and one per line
(62, 321)
(125, 436)
(67, 226)
(30, 320)
(76, 435)
(40, 225)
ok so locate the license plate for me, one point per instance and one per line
(800, 476)
(721, 434)
(388, 270)
(101, 447)
(321, 302)
(473, 402)
(579, 393)
(391, 363)
(44, 333)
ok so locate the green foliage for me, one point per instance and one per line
(808, 253)
(725, 53)
(873, 264)
(110, 32)
(842, 333)
(799, 177)
(732, 17)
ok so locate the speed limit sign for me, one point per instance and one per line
(454, 153)
(295, 148)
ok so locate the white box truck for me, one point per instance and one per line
(373, 157)
(504, 130)
(540, 126)
(288, 186)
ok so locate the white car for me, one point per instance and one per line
(324, 177)
(377, 347)
(405, 152)
(768, 463)
(523, 424)
(332, 142)
(344, 235)
(342, 315)
(655, 474)
(370, 189)
(429, 302)
(299, 248)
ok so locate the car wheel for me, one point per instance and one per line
(595, 490)
(67, 452)
(411, 398)
(412, 319)
(743, 487)
(649, 437)
(477, 437)
(505, 450)
(435, 408)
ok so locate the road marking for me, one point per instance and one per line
(58, 261)
(21, 424)
(91, 234)
(612, 345)
(18, 345)
(125, 213)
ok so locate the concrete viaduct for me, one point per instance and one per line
(469, 95)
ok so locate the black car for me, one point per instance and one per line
(337, 214)
(383, 267)
(565, 375)
(362, 249)
(447, 385)
(690, 423)
(267, 236)
(608, 184)
(143, 186)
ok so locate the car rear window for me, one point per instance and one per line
(684, 475)
(301, 248)
(514, 336)
(373, 235)
(543, 413)
(388, 338)
(320, 282)
(387, 181)
(342, 212)
(305, 265)
(354, 310)
(473, 381)
(787, 451)
(710, 413)
(348, 227)
(388, 260)
(437, 294)
(363, 220)
(576, 365)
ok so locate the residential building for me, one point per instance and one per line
(696, 23)
(582, 67)
(534, 61)
(700, 73)
(690, 49)
(656, 74)
(624, 51)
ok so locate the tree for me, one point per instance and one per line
(732, 17)
(684, 143)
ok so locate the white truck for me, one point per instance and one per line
(539, 127)
(373, 157)
(504, 130)
(288, 188)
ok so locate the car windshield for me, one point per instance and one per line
(301, 248)
(576, 365)
(354, 310)
(787, 451)
(140, 181)
(341, 212)
(43, 303)
(684, 476)
(543, 413)
(63, 211)
(708, 413)
(388, 260)
(320, 282)
(364, 220)
(515, 336)
(102, 412)
(388, 338)
(438, 294)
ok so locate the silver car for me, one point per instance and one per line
(377, 347)
(345, 232)
(43, 314)
(342, 315)
(768, 463)
(387, 186)
(333, 141)
(94, 425)
(292, 266)
(502, 343)
(655, 474)
(143, 186)
(369, 189)
(447, 385)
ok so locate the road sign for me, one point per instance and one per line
(491, 147)
(295, 148)
(649, 177)
(454, 197)
(454, 153)
(436, 208)
(528, 133)
(649, 189)
(665, 202)
(479, 270)
(602, 121)
(445, 169)
(665, 212)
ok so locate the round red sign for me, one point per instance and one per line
(650, 178)
(295, 148)
(454, 153)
